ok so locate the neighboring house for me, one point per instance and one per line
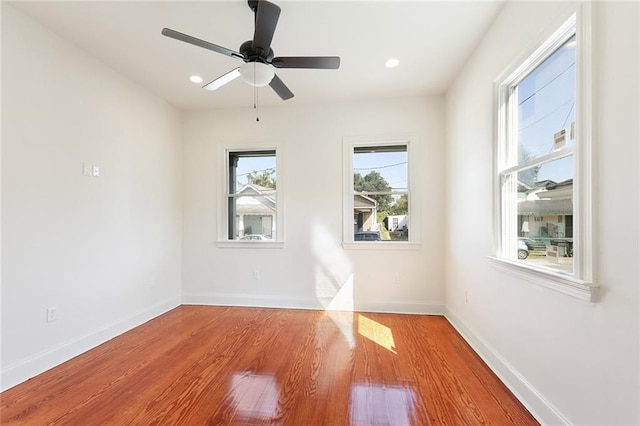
(545, 210)
(397, 223)
(365, 212)
(255, 212)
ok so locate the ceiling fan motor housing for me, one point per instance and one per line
(255, 55)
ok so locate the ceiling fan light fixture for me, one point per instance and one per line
(256, 73)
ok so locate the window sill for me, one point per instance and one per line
(251, 244)
(372, 245)
(554, 280)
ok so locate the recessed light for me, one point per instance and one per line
(196, 79)
(392, 63)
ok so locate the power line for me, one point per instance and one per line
(548, 83)
(380, 167)
(547, 115)
(568, 114)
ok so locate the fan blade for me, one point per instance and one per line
(200, 43)
(279, 87)
(313, 62)
(267, 15)
(222, 80)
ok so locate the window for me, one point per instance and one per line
(377, 196)
(251, 196)
(543, 161)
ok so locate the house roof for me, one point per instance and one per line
(554, 185)
(363, 202)
(545, 207)
(252, 188)
(259, 205)
(255, 209)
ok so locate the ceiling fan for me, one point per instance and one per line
(257, 53)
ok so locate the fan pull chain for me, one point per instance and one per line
(256, 102)
(255, 94)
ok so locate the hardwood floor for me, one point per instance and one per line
(199, 365)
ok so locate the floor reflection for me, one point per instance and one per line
(374, 404)
(255, 396)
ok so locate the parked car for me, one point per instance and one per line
(523, 250)
(531, 243)
(366, 236)
(255, 237)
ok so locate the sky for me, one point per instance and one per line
(391, 165)
(546, 105)
(248, 165)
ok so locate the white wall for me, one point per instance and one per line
(110, 252)
(104, 250)
(569, 360)
(312, 267)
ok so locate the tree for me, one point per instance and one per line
(265, 178)
(373, 182)
(400, 207)
(529, 176)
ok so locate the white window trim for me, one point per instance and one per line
(222, 197)
(582, 283)
(348, 143)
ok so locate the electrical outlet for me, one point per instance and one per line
(255, 274)
(95, 171)
(52, 313)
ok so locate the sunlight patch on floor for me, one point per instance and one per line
(376, 332)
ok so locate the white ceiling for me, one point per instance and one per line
(432, 40)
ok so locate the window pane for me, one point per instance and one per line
(256, 169)
(545, 215)
(380, 170)
(255, 217)
(381, 198)
(546, 105)
(252, 195)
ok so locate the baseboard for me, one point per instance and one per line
(41, 362)
(250, 301)
(530, 397)
(415, 308)
(423, 308)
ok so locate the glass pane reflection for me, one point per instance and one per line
(545, 215)
(382, 405)
(255, 396)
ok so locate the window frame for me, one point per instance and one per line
(223, 197)
(413, 242)
(581, 283)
